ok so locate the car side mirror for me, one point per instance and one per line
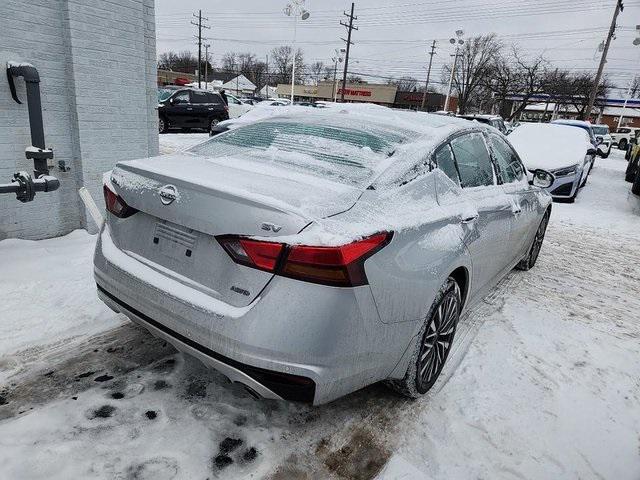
(542, 178)
(592, 151)
(172, 101)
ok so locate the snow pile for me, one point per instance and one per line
(550, 146)
(48, 292)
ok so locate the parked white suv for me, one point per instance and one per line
(623, 136)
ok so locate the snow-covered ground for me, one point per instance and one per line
(544, 380)
(174, 142)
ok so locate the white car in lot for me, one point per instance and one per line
(237, 107)
(623, 135)
(563, 150)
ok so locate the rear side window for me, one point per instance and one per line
(199, 97)
(445, 162)
(213, 98)
(507, 160)
(181, 97)
(473, 160)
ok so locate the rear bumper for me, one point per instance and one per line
(295, 341)
(264, 383)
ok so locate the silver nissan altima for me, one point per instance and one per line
(313, 253)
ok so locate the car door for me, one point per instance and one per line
(177, 109)
(488, 235)
(512, 176)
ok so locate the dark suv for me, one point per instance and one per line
(188, 108)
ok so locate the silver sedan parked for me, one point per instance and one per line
(311, 254)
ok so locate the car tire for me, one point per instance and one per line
(622, 144)
(435, 339)
(212, 123)
(163, 126)
(529, 261)
(635, 188)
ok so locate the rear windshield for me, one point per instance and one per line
(344, 154)
(598, 130)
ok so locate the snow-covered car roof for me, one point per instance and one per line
(575, 123)
(484, 116)
(550, 146)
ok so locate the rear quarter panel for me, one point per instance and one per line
(426, 247)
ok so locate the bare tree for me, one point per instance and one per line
(282, 61)
(516, 75)
(184, 61)
(635, 87)
(317, 70)
(476, 60)
(582, 86)
(405, 84)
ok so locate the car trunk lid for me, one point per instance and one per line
(184, 201)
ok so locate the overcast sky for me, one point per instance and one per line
(394, 36)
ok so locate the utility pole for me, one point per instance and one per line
(457, 41)
(349, 27)
(199, 37)
(603, 59)
(426, 83)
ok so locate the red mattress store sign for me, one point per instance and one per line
(355, 93)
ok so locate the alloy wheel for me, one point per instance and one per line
(539, 238)
(437, 340)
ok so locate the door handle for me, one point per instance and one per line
(189, 108)
(516, 210)
(469, 219)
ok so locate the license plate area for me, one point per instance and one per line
(175, 242)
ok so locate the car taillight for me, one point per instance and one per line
(226, 108)
(116, 205)
(341, 266)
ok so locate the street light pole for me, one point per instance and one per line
(336, 59)
(293, 53)
(295, 9)
(636, 42)
(206, 64)
(457, 42)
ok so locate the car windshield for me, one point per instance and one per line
(164, 93)
(601, 130)
(342, 153)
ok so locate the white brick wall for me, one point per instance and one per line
(97, 65)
